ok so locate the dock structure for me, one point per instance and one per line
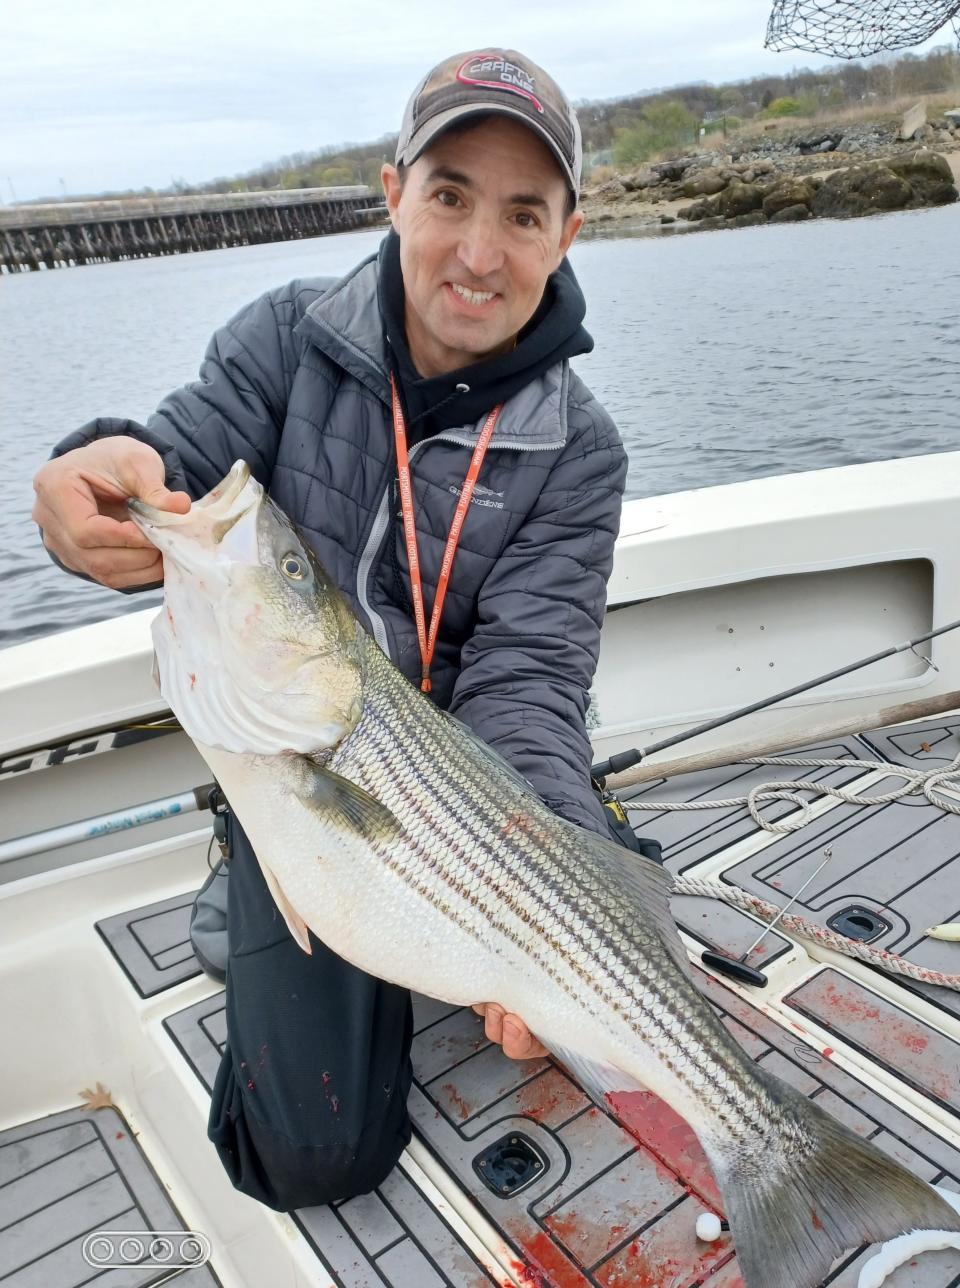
(67, 233)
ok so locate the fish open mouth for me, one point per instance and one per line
(215, 505)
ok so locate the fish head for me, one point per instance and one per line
(257, 651)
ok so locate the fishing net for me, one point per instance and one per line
(857, 28)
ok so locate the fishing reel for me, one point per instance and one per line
(619, 824)
(219, 807)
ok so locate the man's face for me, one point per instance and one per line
(482, 224)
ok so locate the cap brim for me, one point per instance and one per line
(421, 139)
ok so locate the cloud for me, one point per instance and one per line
(114, 94)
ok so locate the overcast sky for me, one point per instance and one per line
(117, 94)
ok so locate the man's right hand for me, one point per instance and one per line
(81, 507)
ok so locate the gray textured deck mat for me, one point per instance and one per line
(906, 1047)
(68, 1176)
(152, 944)
(926, 745)
(689, 838)
(617, 1204)
(894, 860)
(897, 861)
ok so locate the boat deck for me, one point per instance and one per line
(597, 1196)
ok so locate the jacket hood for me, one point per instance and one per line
(348, 323)
(432, 403)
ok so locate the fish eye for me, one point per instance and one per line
(293, 566)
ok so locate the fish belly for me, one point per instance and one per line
(429, 940)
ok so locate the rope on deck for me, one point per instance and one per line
(805, 929)
(916, 782)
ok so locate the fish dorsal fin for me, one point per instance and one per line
(342, 804)
(295, 923)
(639, 879)
(641, 882)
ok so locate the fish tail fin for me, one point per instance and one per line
(817, 1192)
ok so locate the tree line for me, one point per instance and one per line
(628, 130)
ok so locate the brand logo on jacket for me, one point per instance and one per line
(480, 495)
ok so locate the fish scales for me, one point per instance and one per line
(386, 829)
(527, 872)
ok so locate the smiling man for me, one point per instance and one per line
(369, 407)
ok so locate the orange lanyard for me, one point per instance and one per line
(428, 642)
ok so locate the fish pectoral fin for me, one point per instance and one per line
(598, 1079)
(344, 804)
(295, 923)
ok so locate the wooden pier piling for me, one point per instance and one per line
(67, 233)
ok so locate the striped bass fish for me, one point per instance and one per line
(394, 835)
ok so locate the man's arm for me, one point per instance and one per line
(527, 669)
(234, 410)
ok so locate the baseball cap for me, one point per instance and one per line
(492, 80)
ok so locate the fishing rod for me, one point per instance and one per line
(623, 760)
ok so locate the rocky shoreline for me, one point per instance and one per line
(830, 172)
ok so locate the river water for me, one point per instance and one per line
(722, 356)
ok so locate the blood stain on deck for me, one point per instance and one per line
(669, 1138)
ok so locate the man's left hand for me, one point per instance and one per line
(510, 1032)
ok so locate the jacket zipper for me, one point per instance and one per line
(370, 552)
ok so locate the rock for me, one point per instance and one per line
(791, 214)
(739, 199)
(671, 171)
(923, 134)
(953, 116)
(748, 176)
(763, 165)
(667, 219)
(639, 180)
(819, 141)
(706, 184)
(928, 174)
(612, 190)
(703, 209)
(861, 190)
(913, 119)
(748, 219)
(788, 192)
(712, 222)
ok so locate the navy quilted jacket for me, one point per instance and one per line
(297, 385)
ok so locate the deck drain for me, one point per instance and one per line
(858, 923)
(509, 1165)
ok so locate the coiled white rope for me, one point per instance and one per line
(916, 782)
